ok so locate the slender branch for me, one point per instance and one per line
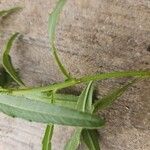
(101, 76)
(60, 65)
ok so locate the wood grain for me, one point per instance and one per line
(93, 36)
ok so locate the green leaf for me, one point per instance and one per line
(47, 137)
(85, 99)
(6, 60)
(53, 19)
(111, 97)
(84, 104)
(47, 113)
(52, 23)
(74, 141)
(7, 12)
(90, 137)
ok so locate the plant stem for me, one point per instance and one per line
(101, 76)
(58, 62)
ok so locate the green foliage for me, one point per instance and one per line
(84, 104)
(5, 77)
(85, 99)
(6, 60)
(90, 137)
(111, 97)
(73, 82)
(53, 19)
(46, 112)
(46, 105)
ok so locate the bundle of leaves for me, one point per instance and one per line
(46, 105)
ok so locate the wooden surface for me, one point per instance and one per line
(93, 36)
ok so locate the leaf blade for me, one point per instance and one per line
(90, 138)
(85, 99)
(111, 97)
(46, 113)
(52, 23)
(53, 19)
(6, 60)
(84, 104)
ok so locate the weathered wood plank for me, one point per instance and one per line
(98, 36)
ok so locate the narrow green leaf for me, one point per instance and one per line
(6, 60)
(4, 13)
(84, 104)
(101, 76)
(47, 137)
(53, 19)
(85, 99)
(111, 97)
(52, 23)
(88, 94)
(74, 141)
(47, 113)
(90, 137)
